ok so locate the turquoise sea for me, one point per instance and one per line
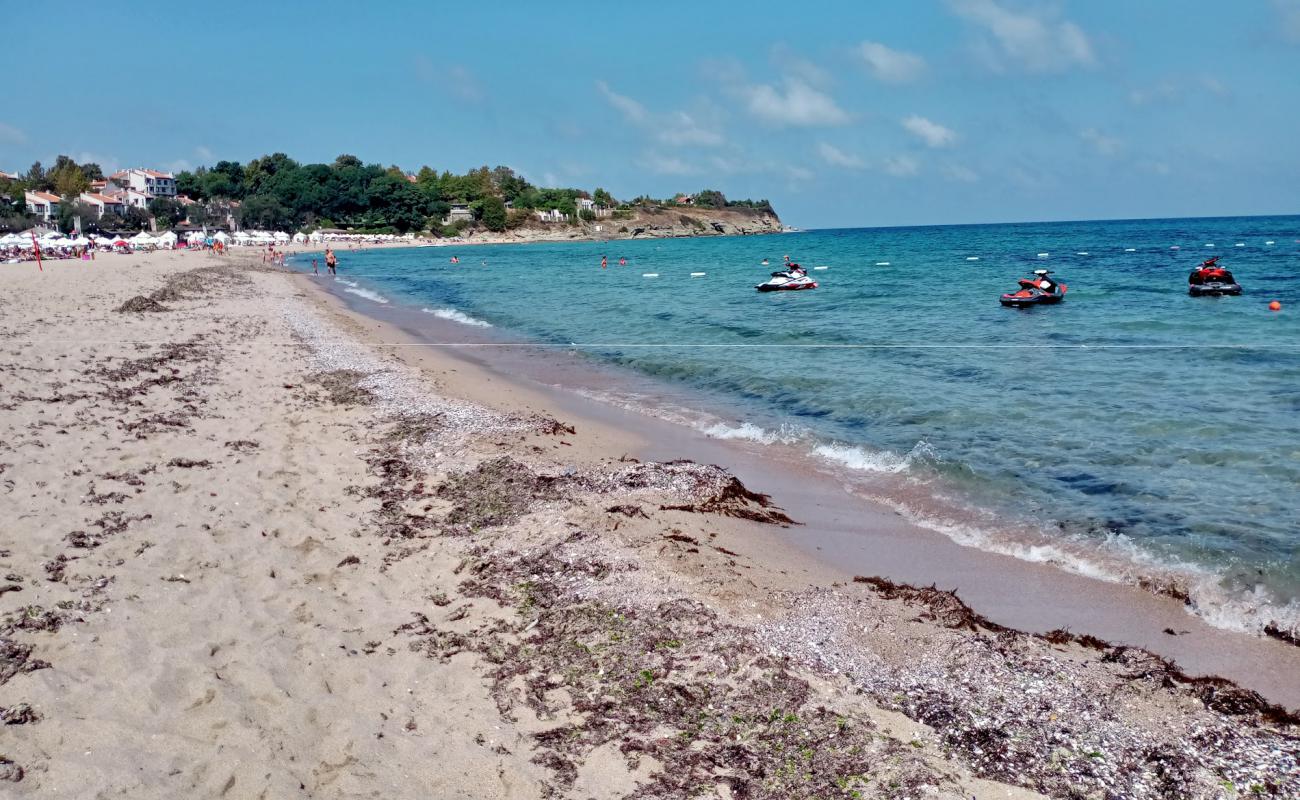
(1130, 430)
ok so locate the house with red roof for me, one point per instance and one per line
(43, 205)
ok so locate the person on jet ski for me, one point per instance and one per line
(794, 270)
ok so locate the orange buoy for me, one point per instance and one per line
(1275, 306)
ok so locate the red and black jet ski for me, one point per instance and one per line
(1036, 291)
(791, 279)
(1211, 280)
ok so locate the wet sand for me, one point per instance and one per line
(249, 552)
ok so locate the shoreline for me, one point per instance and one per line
(427, 579)
(848, 533)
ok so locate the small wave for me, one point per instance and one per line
(456, 316)
(874, 460)
(366, 293)
(346, 283)
(749, 432)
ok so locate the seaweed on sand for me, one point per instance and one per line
(342, 386)
(496, 492)
(141, 305)
(16, 658)
(671, 682)
(734, 499)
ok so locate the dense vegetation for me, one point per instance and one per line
(277, 193)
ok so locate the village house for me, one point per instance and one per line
(684, 200)
(149, 182)
(43, 205)
(553, 215)
(8, 176)
(103, 203)
(600, 212)
(460, 212)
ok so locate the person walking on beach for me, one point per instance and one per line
(331, 261)
(314, 271)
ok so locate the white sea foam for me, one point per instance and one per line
(366, 293)
(1130, 249)
(698, 274)
(1044, 255)
(649, 274)
(456, 316)
(972, 258)
(1239, 244)
(1270, 241)
(748, 431)
(346, 283)
(882, 263)
(857, 458)
(1082, 253)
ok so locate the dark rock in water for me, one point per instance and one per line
(141, 305)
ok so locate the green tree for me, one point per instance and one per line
(69, 211)
(264, 212)
(166, 212)
(603, 198)
(494, 214)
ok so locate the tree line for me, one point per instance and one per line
(275, 192)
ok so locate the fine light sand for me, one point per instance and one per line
(246, 554)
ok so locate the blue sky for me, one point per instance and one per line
(843, 114)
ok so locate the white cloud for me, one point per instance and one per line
(798, 105)
(1103, 144)
(960, 173)
(203, 153)
(179, 165)
(797, 173)
(676, 128)
(631, 110)
(1038, 42)
(838, 158)
(11, 135)
(666, 165)
(890, 65)
(932, 133)
(1288, 12)
(681, 128)
(901, 166)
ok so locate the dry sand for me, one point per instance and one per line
(246, 554)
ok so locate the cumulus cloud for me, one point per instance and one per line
(11, 135)
(932, 133)
(1103, 144)
(1036, 41)
(901, 166)
(838, 158)
(796, 104)
(666, 165)
(890, 65)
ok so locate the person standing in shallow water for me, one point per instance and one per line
(331, 261)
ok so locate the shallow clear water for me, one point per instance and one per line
(1131, 417)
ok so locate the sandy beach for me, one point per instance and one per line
(247, 552)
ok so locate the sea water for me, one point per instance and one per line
(1130, 429)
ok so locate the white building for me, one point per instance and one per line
(459, 213)
(103, 203)
(8, 176)
(43, 205)
(553, 215)
(147, 182)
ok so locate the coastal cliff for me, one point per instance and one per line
(643, 222)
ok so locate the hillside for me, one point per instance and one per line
(643, 222)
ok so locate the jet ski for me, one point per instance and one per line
(1211, 280)
(1036, 291)
(792, 278)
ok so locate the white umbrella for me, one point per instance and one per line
(281, 236)
(221, 236)
(80, 241)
